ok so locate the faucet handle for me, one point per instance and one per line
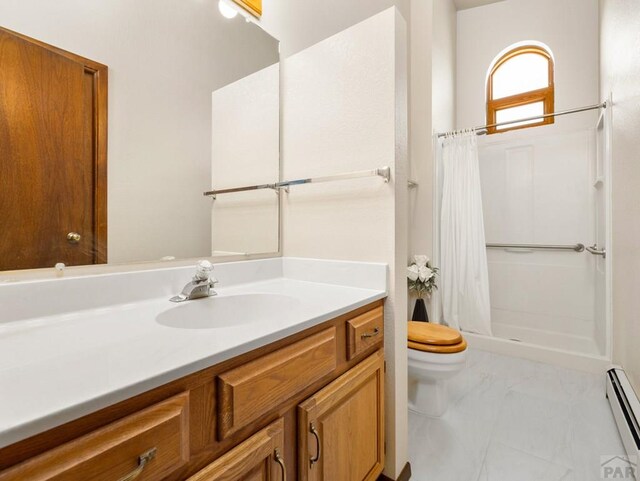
(203, 270)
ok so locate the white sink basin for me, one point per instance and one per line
(227, 311)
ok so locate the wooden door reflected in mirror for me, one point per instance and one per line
(53, 156)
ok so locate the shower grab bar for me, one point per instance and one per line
(551, 247)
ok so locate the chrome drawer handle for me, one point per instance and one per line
(280, 460)
(143, 460)
(314, 431)
(366, 335)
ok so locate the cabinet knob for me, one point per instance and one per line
(73, 237)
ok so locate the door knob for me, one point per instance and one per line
(73, 237)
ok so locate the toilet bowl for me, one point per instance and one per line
(436, 354)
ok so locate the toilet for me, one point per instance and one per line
(436, 354)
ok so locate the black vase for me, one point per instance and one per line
(420, 311)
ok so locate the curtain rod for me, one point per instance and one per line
(482, 130)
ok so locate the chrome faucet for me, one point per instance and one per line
(200, 286)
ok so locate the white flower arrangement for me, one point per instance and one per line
(421, 276)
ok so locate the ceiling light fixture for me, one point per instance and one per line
(227, 10)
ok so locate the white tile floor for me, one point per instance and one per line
(515, 420)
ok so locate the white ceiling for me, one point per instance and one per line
(464, 4)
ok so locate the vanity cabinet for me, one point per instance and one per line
(307, 407)
(259, 458)
(149, 444)
(341, 427)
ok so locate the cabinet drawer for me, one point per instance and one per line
(154, 441)
(364, 331)
(249, 391)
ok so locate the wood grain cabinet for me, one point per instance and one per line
(341, 427)
(259, 458)
(249, 391)
(364, 331)
(148, 445)
(308, 407)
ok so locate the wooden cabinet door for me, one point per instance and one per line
(341, 428)
(259, 458)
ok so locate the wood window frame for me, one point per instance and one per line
(545, 95)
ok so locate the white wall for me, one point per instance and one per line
(620, 75)
(300, 24)
(568, 27)
(165, 57)
(432, 107)
(345, 109)
(443, 78)
(245, 149)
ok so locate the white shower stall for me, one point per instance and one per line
(548, 190)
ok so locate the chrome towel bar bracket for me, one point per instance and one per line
(597, 252)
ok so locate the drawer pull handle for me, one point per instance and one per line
(280, 461)
(143, 460)
(314, 431)
(366, 335)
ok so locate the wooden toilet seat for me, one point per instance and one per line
(436, 338)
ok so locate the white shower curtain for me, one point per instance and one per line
(464, 272)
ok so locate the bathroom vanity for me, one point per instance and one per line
(295, 398)
(278, 376)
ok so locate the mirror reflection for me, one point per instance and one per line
(114, 120)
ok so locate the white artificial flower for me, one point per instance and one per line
(424, 273)
(412, 272)
(421, 260)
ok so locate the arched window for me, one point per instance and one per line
(520, 85)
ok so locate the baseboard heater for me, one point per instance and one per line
(626, 409)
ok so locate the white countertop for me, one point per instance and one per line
(57, 368)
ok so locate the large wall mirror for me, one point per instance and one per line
(116, 118)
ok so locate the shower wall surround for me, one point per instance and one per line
(539, 190)
(539, 184)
